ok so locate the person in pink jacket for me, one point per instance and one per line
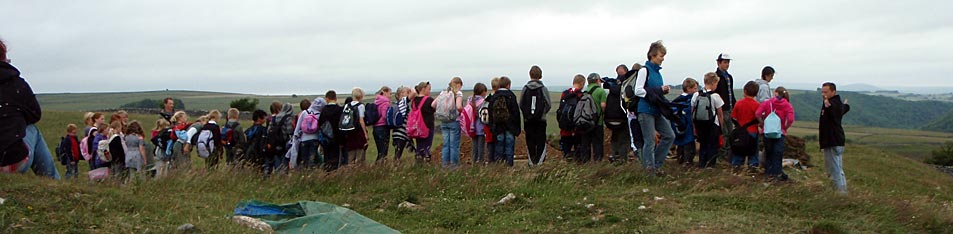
(774, 148)
(381, 131)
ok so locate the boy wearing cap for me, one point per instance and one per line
(591, 145)
(726, 89)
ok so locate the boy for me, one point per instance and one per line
(255, 136)
(505, 118)
(744, 114)
(233, 138)
(68, 151)
(831, 134)
(708, 121)
(487, 128)
(685, 148)
(592, 141)
(568, 140)
(331, 115)
(764, 88)
(535, 105)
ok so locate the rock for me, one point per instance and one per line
(645, 190)
(186, 228)
(642, 207)
(507, 199)
(659, 198)
(2, 200)
(253, 223)
(407, 205)
(590, 206)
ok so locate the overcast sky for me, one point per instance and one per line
(308, 47)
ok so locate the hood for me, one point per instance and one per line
(534, 84)
(382, 100)
(8, 72)
(781, 105)
(317, 105)
(760, 82)
(286, 110)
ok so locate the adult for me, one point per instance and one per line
(726, 89)
(21, 143)
(764, 88)
(831, 135)
(649, 85)
(168, 109)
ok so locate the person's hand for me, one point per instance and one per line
(666, 88)
(845, 101)
(827, 103)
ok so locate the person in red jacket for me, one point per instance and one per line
(744, 113)
(70, 154)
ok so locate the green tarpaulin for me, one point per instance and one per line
(310, 217)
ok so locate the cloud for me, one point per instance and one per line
(307, 47)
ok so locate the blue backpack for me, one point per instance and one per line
(682, 126)
(395, 118)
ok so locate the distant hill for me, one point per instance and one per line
(878, 111)
(942, 124)
(194, 100)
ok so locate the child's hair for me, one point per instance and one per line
(579, 79)
(495, 83)
(766, 71)
(88, 118)
(71, 128)
(421, 86)
(233, 113)
(203, 119)
(115, 117)
(400, 92)
(456, 80)
(258, 114)
(96, 116)
(751, 89)
(535, 72)
(134, 128)
(102, 127)
(161, 123)
(331, 95)
(636, 67)
(594, 78)
(304, 104)
(117, 125)
(711, 79)
(830, 85)
(783, 93)
(622, 66)
(214, 115)
(3, 51)
(505, 82)
(179, 115)
(479, 89)
(656, 49)
(689, 83)
(357, 94)
(275, 107)
(383, 90)
(122, 114)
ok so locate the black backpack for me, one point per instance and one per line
(532, 104)
(566, 110)
(500, 110)
(741, 142)
(276, 137)
(62, 149)
(371, 114)
(615, 117)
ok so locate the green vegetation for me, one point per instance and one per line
(943, 155)
(244, 104)
(943, 123)
(878, 111)
(915, 144)
(153, 104)
(196, 100)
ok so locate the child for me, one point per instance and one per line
(356, 145)
(479, 141)
(764, 88)
(117, 148)
(233, 137)
(535, 105)
(424, 102)
(279, 132)
(382, 133)
(505, 117)
(450, 128)
(399, 135)
(487, 129)
(180, 157)
(568, 140)
(831, 135)
(162, 139)
(591, 146)
(685, 142)
(708, 120)
(743, 113)
(774, 148)
(255, 147)
(69, 151)
(308, 155)
(212, 125)
(135, 149)
(331, 115)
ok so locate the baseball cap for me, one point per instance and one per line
(724, 56)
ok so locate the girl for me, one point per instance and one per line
(479, 142)
(180, 159)
(451, 130)
(381, 131)
(162, 159)
(356, 144)
(774, 148)
(401, 141)
(135, 149)
(424, 102)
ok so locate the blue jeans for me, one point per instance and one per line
(738, 160)
(40, 158)
(653, 157)
(505, 141)
(308, 154)
(773, 155)
(451, 144)
(833, 161)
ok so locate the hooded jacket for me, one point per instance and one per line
(286, 127)
(18, 108)
(513, 127)
(538, 84)
(764, 91)
(781, 107)
(831, 132)
(316, 107)
(382, 102)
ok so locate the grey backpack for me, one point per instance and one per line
(703, 108)
(586, 114)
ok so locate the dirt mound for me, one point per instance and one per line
(520, 152)
(795, 148)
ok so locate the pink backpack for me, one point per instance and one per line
(416, 128)
(310, 123)
(468, 119)
(84, 146)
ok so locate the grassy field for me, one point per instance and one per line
(914, 144)
(889, 194)
(194, 100)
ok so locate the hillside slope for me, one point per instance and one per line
(194, 100)
(877, 111)
(943, 123)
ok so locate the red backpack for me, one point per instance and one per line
(416, 128)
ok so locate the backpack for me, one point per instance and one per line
(484, 112)
(102, 150)
(703, 108)
(741, 142)
(204, 143)
(586, 114)
(567, 109)
(615, 117)
(468, 119)
(772, 124)
(85, 147)
(395, 117)
(446, 107)
(416, 128)
(310, 123)
(531, 104)
(683, 121)
(500, 109)
(326, 133)
(228, 136)
(371, 114)
(61, 151)
(349, 118)
(275, 134)
(608, 83)
(629, 99)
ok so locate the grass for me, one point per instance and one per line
(915, 144)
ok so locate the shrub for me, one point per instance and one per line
(152, 104)
(943, 155)
(244, 104)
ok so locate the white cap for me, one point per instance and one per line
(724, 56)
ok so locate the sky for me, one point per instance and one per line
(309, 47)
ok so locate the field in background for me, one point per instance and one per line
(915, 144)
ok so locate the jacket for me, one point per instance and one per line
(18, 108)
(514, 125)
(383, 103)
(538, 84)
(782, 108)
(764, 91)
(316, 107)
(726, 89)
(830, 129)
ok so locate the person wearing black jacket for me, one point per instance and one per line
(505, 128)
(21, 144)
(726, 89)
(331, 114)
(831, 135)
(616, 119)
